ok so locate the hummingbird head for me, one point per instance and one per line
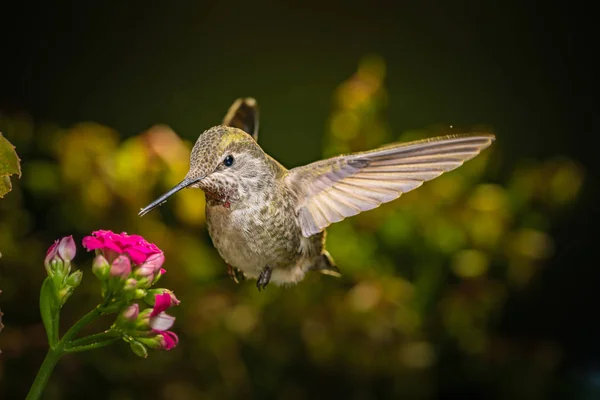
(226, 163)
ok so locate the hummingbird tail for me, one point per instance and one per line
(324, 264)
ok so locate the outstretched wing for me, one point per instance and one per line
(330, 190)
(243, 114)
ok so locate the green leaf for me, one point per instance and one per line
(9, 165)
(49, 308)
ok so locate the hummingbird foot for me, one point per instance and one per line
(235, 274)
(264, 278)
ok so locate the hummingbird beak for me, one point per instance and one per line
(163, 199)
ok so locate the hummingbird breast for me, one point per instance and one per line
(261, 230)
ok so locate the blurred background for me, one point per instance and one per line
(479, 284)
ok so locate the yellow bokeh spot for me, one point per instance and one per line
(364, 296)
(566, 182)
(241, 319)
(488, 197)
(345, 125)
(531, 243)
(470, 263)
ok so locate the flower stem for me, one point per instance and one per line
(56, 352)
(97, 337)
(86, 319)
(44, 372)
(91, 346)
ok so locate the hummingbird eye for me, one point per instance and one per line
(228, 161)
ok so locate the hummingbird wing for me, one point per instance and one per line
(243, 114)
(330, 190)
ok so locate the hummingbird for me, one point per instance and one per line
(269, 222)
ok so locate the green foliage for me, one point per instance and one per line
(9, 165)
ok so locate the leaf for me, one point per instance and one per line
(49, 308)
(9, 165)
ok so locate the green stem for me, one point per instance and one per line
(44, 372)
(56, 352)
(97, 337)
(86, 319)
(91, 346)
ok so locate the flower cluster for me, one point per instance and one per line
(150, 327)
(127, 266)
(125, 262)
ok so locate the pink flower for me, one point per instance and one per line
(168, 340)
(51, 254)
(164, 301)
(135, 246)
(159, 319)
(66, 248)
(121, 267)
(63, 249)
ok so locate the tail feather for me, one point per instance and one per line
(324, 264)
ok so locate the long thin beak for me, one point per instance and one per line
(163, 199)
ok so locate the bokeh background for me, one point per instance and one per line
(481, 284)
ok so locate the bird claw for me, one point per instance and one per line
(264, 278)
(234, 274)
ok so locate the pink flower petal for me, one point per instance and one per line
(131, 312)
(161, 322)
(169, 340)
(52, 249)
(136, 256)
(162, 302)
(155, 261)
(110, 245)
(144, 270)
(66, 248)
(91, 243)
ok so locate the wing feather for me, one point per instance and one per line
(330, 190)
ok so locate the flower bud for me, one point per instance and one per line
(64, 294)
(145, 282)
(162, 341)
(144, 270)
(75, 279)
(132, 312)
(154, 261)
(58, 272)
(130, 285)
(153, 293)
(66, 248)
(143, 320)
(121, 267)
(168, 340)
(138, 349)
(101, 267)
(140, 293)
(50, 255)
